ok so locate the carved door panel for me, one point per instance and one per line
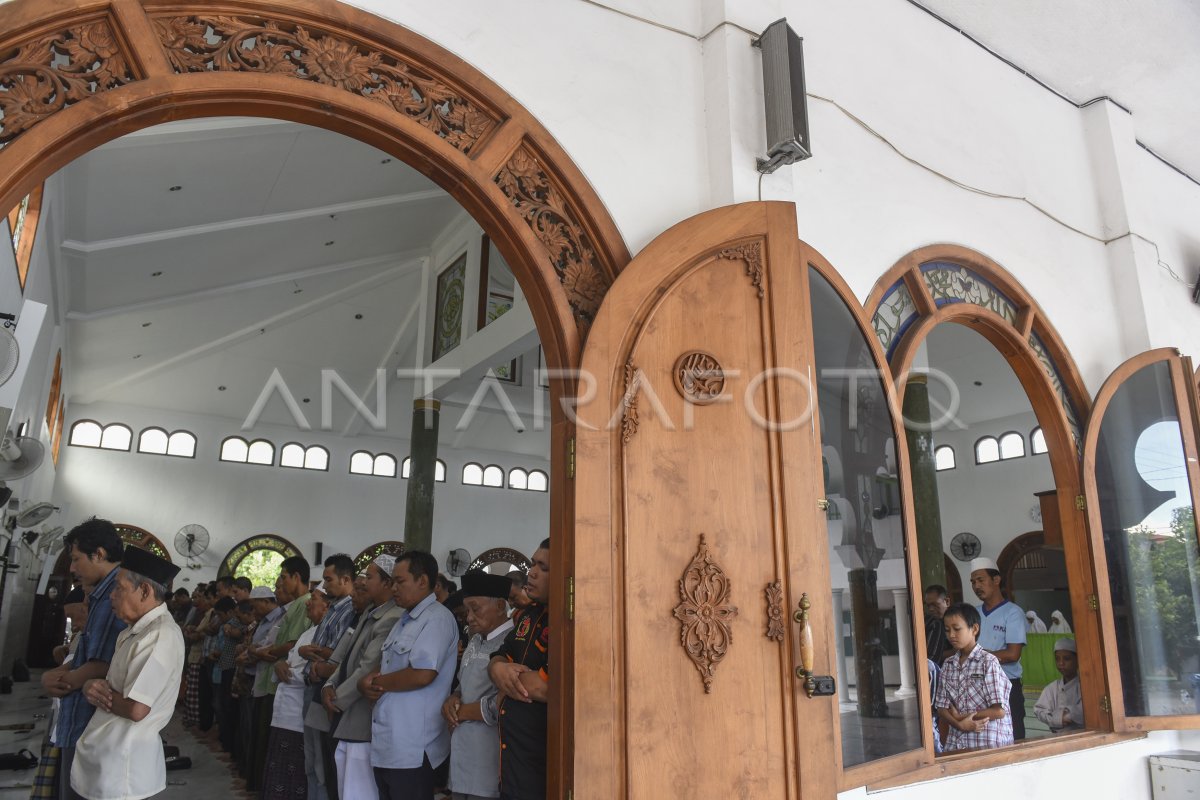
(696, 505)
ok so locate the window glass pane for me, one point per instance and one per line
(385, 466)
(361, 463)
(1149, 529)
(182, 443)
(116, 437)
(1012, 445)
(152, 440)
(473, 475)
(261, 452)
(877, 671)
(943, 458)
(517, 479)
(1037, 441)
(405, 467)
(537, 481)
(987, 450)
(316, 457)
(85, 434)
(292, 455)
(439, 471)
(493, 476)
(233, 450)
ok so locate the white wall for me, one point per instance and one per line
(234, 501)
(993, 500)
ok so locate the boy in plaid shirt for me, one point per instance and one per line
(972, 693)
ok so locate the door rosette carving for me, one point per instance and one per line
(50, 73)
(705, 613)
(698, 377)
(223, 43)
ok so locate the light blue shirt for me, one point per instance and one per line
(407, 726)
(1000, 627)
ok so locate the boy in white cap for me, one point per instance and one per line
(1061, 704)
(1001, 633)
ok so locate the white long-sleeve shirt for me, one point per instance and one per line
(1059, 697)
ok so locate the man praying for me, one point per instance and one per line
(119, 756)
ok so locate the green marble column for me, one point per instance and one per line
(418, 511)
(868, 649)
(923, 477)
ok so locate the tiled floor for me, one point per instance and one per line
(209, 776)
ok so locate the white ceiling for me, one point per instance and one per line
(285, 248)
(965, 357)
(1145, 55)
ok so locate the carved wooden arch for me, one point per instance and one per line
(263, 541)
(1012, 554)
(390, 547)
(75, 74)
(498, 554)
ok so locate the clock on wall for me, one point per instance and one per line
(965, 546)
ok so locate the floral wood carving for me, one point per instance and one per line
(501, 554)
(698, 377)
(51, 72)
(629, 412)
(223, 43)
(705, 613)
(774, 612)
(545, 208)
(751, 255)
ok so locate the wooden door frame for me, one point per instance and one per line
(128, 69)
(1183, 384)
(1051, 387)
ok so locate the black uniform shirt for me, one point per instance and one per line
(523, 725)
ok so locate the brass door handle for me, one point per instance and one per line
(804, 671)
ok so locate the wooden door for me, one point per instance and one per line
(697, 524)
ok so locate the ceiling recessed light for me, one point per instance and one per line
(174, 188)
(145, 324)
(330, 242)
(307, 400)
(358, 316)
(155, 274)
(220, 388)
(386, 161)
(979, 383)
(138, 355)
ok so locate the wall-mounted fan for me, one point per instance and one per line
(19, 456)
(10, 355)
(457, 561)
(190, 542)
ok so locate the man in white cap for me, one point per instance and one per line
(343, 710)
(1001, 633)
(1061, 704)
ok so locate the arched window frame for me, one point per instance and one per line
(117, 428)
(263, 541)
(142, 445)
(938, 461)
(982, 440)
(1007, 436)
(83, 424)
(1037, 442)
(182, 435)
(313, 452)
(287, 451)
(476, 478)
(369, 466)
(521, 477)
(493, 476)
(379, 467)
(542, 478)
(250, 451)
(225, 442)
